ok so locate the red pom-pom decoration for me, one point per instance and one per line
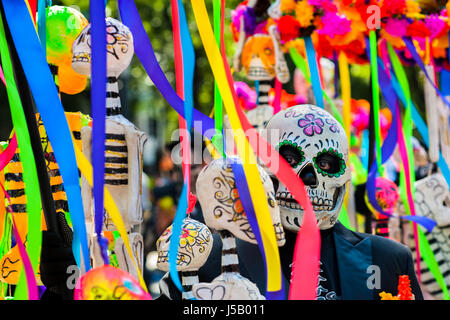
(288, 27)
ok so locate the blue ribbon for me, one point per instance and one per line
(314, 71)
(40, 80)
(144, 51)
(247, 204)
(188, 79)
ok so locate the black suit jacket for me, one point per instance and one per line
(360, 258)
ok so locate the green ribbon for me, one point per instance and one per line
(30, 178)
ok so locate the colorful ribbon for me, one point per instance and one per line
(306, 269)
(412, 50)
(185, 65)
(144, 51)
(246, 200)
(98, 110)
(29, 167)
(45, 95)
(300, 63)
(314, 71)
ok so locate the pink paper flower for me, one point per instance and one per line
(396, 27)
(334, 25)
(434, 24)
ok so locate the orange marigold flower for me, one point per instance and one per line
(412, 8)
(304, 13)
(287, 5)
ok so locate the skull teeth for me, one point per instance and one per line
(285, 199)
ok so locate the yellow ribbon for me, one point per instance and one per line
(86, 169)
(346, 99)
(245, 151)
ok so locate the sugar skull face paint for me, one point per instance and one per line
(109, 283)
(316, 147)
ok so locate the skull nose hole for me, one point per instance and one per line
(308, 176)
(275, 183)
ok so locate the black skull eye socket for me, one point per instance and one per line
(292, 154)
(330, 163)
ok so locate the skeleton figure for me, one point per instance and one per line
(124, 144)
(195, 244)
(316, 147)
(437, 117)
(223, 211)
(432, 200)
(262, 58)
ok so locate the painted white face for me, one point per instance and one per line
(221, 205)
(195, 246)
(316, 147)
(119, 48)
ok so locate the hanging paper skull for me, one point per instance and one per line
(316, 147)
(195, 246)
(386, 193)
(119, 48)
(221, 204)
(262, 58)
(109, 283)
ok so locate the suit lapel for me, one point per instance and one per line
(354, 256)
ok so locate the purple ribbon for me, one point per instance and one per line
(247, 204)
(144, 51)
(98, 108)
(388, 148)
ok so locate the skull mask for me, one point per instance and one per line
(221, 204)
(316, 147)
(195, 246)
(119, 48)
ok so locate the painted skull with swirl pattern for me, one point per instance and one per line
(221, 204)
(316, 147)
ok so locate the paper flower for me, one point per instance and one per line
(412, 8)
(288, 28)
(304, 13)
(334, 25)
(418, 29)
(391, 8)
(396, 27)
(435, 25)
(404, 288)
(288, 5)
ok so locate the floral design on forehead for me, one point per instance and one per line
(316, 147)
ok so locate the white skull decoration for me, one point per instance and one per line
(119, 48)
(195, 246)
(221, 204)
(316, 147)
